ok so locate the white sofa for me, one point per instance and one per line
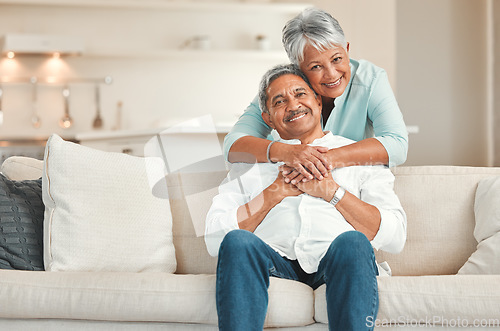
(424, 289)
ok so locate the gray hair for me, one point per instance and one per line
(312, 26)
(273, 74)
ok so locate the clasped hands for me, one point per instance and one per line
(306, 169)
(324, 189)
(303, 163)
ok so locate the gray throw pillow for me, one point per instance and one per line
(21, 224)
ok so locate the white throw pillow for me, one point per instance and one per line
(100, 212)
(486, 259)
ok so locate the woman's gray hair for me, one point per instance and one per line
(312, 26)
(273, 74)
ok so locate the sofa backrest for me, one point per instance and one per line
(438, 201)
(190, 199)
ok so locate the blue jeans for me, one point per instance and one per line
(246, 263)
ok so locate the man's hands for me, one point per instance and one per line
(302, 161)
(280, 188)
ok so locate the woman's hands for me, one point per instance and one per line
(301, 161)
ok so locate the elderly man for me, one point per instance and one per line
(315, 232)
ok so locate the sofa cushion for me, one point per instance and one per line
(101, 214)
(439, 204)
(119, 296)
(486, 259)
(431, 300)
(22, 168)
(21, 224)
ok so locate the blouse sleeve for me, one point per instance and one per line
(250, 123)
(388, 125)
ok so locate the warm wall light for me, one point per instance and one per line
(11, 55)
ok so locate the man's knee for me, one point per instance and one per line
(352, 241)
(238, 241)
(349, 249)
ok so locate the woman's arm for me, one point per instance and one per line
(365, 152)
(389, 127)
(250, 124)
(310, 161)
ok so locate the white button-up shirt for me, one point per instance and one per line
(303, 227)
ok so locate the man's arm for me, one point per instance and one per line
(363, 216)
(377, 213)
(253, 213)
(242, 202)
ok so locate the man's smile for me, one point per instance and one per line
(297, 114)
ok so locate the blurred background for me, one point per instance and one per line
(125, 69)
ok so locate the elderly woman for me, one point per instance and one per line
(358, 103)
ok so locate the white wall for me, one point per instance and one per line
(441, 75)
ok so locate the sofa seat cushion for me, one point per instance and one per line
(431, 300)
(118, 296)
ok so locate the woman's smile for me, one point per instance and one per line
(334, 84)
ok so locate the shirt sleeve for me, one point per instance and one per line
(388, 125)
(377, 189)
(237, 189)
(250, 123)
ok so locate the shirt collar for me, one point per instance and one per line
(328, 140)
(328, 137)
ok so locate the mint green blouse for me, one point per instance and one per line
(367, 108)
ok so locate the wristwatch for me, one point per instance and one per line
(339, 194)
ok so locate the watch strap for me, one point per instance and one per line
(339, 194)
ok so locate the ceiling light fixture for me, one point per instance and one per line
(31, 44)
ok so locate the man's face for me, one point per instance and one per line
(294, 109)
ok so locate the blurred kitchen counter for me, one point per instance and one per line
(133, 141)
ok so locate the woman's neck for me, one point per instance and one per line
(328, 105)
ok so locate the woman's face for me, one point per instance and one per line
(328, 71)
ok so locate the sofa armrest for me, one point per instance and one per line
(22, 168)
